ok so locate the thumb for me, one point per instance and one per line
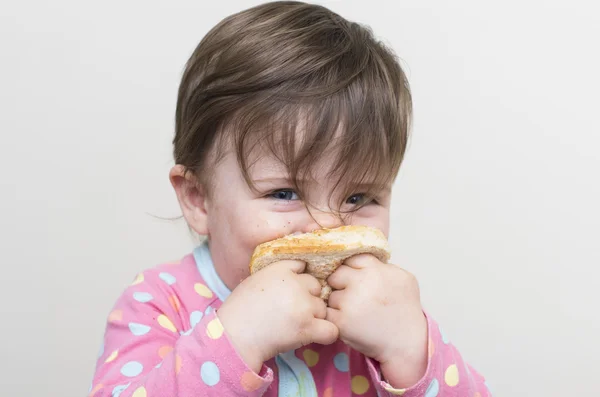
(322, 332)
(295, 266)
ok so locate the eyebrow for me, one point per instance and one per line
(358, 186)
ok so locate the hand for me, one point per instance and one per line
(275, 310)
(377, 308)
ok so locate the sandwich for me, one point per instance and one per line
(323, 250)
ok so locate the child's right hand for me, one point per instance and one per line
(276, 310)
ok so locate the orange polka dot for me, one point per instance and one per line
(477, 394)
(250, 382)
(163, 351)
(115, 315)
(175, 303)
(430, 348)
(178, 364)
(95, 389)
(328, 392)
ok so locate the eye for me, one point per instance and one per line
(287, 195)
(360, 199)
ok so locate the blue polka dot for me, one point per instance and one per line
(158, 365)
(91, 387)
(341, 362)
(101, 350)
(487, 387)
(210, 373)
(131, 369)
(208, 310)
(433, 389)
(142, 297)
(167, 278)
(139, 329)
(195, 318)
(443, 335)
(119, 389)
(186, 333)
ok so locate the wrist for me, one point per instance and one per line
(245, 347)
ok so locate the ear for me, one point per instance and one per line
(192, 198)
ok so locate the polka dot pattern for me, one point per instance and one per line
(360, 385)
(311, 357)
(341, 362)
(328, 392)
(396, 392)
(443, 335)
(433, 389)
(95, 389)
(430, 348)
(116, 392)
(175, 303)
(195, 318)
(142, 297)
(178, 364)
(140, 392)
(115, 316)
(451, 375)
(214, 329)
(166, 323)
(209, 372)
(138, 280)
(167, 278)
(132, 369)
(203, 290)
(250, 382)
(138, 329)
(208, 310)
(164, 350)
(112, 356)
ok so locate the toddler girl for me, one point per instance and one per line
(289, 119)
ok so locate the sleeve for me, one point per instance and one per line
(447, 374)
(146, 355)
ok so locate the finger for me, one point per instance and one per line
(361, 261)
(322, 332)
(341, 277)
(334, 316)
(319, 308)
(295, 266)
(335, 299)
(311, 284)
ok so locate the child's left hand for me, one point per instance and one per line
(377, 308)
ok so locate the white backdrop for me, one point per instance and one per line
(496, 210)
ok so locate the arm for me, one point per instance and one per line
(447, 373)
(145, 355)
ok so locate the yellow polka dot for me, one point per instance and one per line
(95, 389)
(112, 356)
(178, 364)
(430, 348)
(203, 290)
(395, 392)
(166, 323)
(328, 392)
(139, 392)
(175, 303)
(311, 357)
(115, 315)
(138, 279)
(250, 382)
(451, 375)
(360, 385)
(214, 329)
(163, 351)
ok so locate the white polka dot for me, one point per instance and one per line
(341, 362)
(139, 329)
(209, 372)
(119, 389)
(142, 297)
(195, 318)
(167, 278)
(433, 389)
(131, 369)
(443, 335)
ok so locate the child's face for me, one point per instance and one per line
(238, 219)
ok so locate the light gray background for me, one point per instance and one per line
(496, 209)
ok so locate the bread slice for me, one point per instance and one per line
(322, 250)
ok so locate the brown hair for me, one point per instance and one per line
(262, 75)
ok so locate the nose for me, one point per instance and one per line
(322, 219)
